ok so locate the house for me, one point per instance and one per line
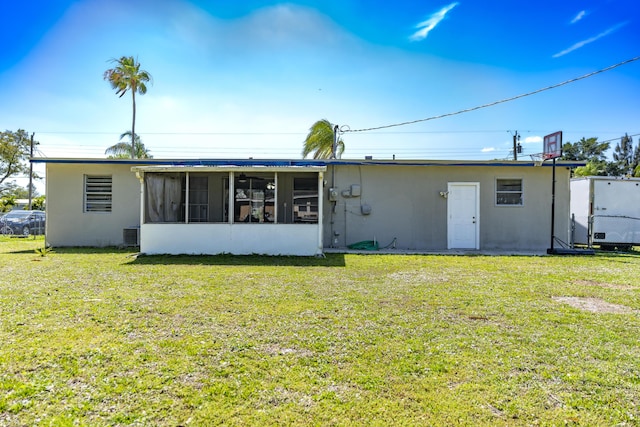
(303, 207)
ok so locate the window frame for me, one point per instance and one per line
(93, 199)
(307, 189)
(268, 198)
(499, 191)
(198, 197)
(255, 204)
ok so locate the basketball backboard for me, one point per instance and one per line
(552, 146)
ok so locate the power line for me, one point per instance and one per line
(491, 104)
(167, 133)
(615, 139)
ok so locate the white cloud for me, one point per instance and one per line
(274, 27)
(484, 150)
(533, 140)
(579, 16)
(426, 26)
(590, 40)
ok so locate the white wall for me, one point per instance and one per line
(580, 201)
(238, 239)
(68, 224)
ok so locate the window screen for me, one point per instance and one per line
(305, 200)
(198, 198)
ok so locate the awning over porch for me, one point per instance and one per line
(231, 167)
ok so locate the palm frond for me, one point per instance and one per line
(320, 140)
(122, 150)
(126, 76)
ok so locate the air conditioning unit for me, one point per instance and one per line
(131, 236)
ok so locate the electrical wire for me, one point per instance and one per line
(169, 133)
(345, 128)
(187, 133)
(615, 139)
(491, 104)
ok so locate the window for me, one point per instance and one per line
(97, 193)
(258, 197)
(254, 198)
(198, 199)
(167, 200)
(509, 192)
(165, 197)
(305, 200)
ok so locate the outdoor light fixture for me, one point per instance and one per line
(242, 178)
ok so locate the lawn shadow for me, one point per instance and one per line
(328, 260)
(624, 257)
(81, 250)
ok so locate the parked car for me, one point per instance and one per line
(23, 222)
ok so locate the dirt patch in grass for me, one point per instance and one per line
(419, 277)
(594, 305)
(276, 350)
(604, 285)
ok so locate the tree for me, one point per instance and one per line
(14, 155)
(623, 157)
(593, 168)
(320, 140)
(127, 76)
(13, 189)
(38, 203)
(7, 203)
(585, 149)
(636, 160)
(122, 150)
(591, 151)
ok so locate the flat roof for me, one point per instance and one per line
(286, 163)
(228, 168)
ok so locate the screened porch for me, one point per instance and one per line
(213, 210)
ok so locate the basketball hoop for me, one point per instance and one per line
(537, 158)
(552, 146)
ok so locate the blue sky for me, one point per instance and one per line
(247, 79)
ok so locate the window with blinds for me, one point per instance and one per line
(98, 193)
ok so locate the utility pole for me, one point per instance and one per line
(334, 147)
(31, 172)
(516, 145)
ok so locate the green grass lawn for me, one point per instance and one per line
(96, 337)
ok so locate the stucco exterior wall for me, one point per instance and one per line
(406, 205)
(238, 239)
(69, 225)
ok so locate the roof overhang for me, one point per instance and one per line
(287, 164)
(226, 168)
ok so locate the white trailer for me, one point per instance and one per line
(606, 211)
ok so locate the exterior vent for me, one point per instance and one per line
(131, 236)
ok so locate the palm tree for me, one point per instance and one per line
(122, 150)
(127, 75)
(320, 141)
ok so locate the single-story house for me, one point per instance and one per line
(303, 207)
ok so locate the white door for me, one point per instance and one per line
(463, 219)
